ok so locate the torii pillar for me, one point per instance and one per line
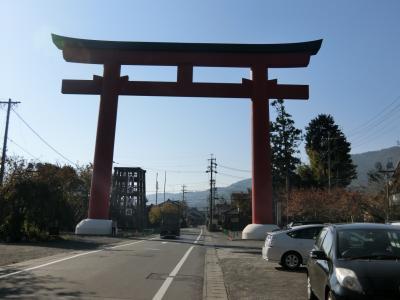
(185, 56)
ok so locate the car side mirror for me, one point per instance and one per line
(318, 254)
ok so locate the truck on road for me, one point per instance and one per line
(170, 225)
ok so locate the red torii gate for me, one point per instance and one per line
(257, 57)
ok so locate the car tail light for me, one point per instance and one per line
(269, 241)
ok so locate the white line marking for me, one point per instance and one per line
(123, 245)
(163, 289)
(164, 242)
(68, 258)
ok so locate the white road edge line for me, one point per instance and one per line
(70, 257)
(163, 289)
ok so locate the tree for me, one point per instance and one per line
(242, 202)
(36, 198)
(155, 215)
(341, 205)
(168, 207)
(81, 203)
(305, 177)
(285, 139)
(329, 153)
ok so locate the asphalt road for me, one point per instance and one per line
(142, 269)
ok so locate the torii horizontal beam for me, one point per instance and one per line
(177, 89)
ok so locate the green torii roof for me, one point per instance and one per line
(311, 47)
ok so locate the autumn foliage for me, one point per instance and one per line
(166, 208)
(335, 206)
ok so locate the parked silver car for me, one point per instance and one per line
(291, 247)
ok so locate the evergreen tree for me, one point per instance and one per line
(285, 139)
(329, 152)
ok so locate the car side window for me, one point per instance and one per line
(327, 243)
(315, 232)
(307, 233)
(297, 234)
(321, 237)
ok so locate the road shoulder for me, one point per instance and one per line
(214, 285)
(246, 275)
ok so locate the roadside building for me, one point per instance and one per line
(194, 217)
(128, 198)
(230, 220)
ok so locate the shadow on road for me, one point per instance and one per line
(26, 285)
(77, 242)
(256, 252)
(252, 250)
(299, 270)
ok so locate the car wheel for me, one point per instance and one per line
(310, 293)
(291, 260)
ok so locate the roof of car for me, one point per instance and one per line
(306, 226)
(297, 228)
(363, 226)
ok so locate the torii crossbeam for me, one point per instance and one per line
(257, 57)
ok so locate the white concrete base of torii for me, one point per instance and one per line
(257, 231)
(94, 227)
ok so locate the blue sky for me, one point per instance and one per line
(354, 77)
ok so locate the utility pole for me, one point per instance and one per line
(329, 161)
(9, 103)
(287, 183)
(212, 170)
(156, 187)
(183, 206)
(184, 191)
(287, 194)
(388, 173)
(165, 181)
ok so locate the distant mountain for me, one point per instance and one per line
(364, 162)
(200, 199)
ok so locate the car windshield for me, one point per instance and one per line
(369, 244)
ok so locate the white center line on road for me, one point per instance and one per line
(68, 258)
(163, 289)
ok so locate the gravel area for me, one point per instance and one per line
(11, 253)
(248, 276)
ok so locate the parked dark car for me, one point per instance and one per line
(355, 261)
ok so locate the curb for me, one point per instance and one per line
(214, 285)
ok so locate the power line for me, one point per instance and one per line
(381, 125)
(42, 139)
(173, 171)
(233, 176)
(234, 169)
(377, 116)
(375, 136)
(23, 149)
(375, 133)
